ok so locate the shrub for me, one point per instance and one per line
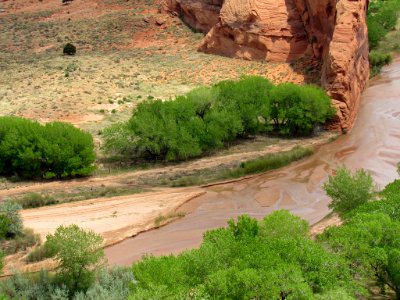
(11, 211)
(33, 200)
(4, 226)
(55, 150)
(349, 191)
(378, 60)
(37, 254)
(69, 49)
(20, 242)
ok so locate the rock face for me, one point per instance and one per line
(333, 31)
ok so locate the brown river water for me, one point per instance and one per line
(373, 144)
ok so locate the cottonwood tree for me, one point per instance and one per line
(79, 253)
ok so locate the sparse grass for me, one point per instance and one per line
(160, 220)
(33, 200)
(205, 176)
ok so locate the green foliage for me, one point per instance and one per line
(297, 109)
(270, 162)
(371, 244)
(248, 98)
(11, 211)
(208, 118)
(5, 224)
(79, 254)
(349, 191)
(382, 18)
(55, 150)
(378, 60)
(69, 49)
(273, 259)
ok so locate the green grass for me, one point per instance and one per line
(160, 220)
(270, 162)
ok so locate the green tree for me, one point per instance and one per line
(371, 244)
(29, 149)
(297, 109)
(349, 191)
(79, 253)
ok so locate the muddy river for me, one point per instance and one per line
(373, 144)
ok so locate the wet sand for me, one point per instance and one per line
(373, 144)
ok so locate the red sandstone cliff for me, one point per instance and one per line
(334, 31)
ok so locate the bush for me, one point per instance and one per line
(33, 200)
(11, 211)
(54, 150)
(378, 61)
(37, 254)
(349, 191)
(69, 49)
(208, 118)
(5, 224)
(20, 242)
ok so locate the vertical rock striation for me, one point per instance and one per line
(333, 31)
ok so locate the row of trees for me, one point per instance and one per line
(207, 118)
(55, 150)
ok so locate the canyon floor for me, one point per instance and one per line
(127, 52)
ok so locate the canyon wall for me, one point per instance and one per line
(333, 31)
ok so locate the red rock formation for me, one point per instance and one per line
(333, 31)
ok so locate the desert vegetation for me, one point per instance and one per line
(208, 118)
(54, 150)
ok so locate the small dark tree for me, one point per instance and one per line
(69, 49)
(66, 1)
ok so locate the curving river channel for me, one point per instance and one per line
(373, 144)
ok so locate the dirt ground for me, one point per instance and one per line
(123, 57)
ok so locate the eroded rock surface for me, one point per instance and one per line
(333, 31)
